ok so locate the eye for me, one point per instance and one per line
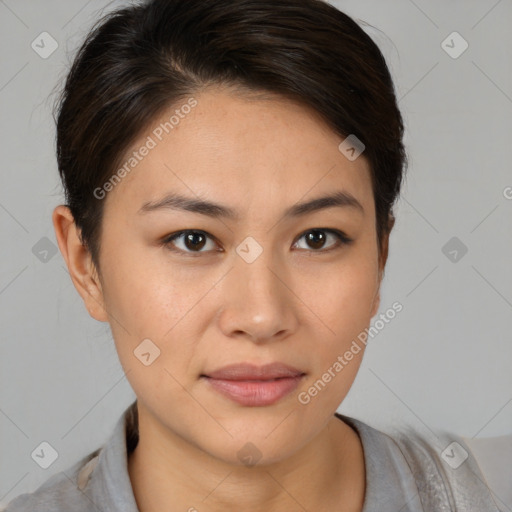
(195, 240)
(316, 238)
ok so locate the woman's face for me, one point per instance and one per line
(259, 286)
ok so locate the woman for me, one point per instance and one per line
(230, 172)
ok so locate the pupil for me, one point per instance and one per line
(190, 239)
(317, 238)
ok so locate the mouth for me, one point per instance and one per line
(254, 386)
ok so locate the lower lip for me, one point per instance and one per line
(255, 393)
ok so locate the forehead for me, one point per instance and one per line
(238, 149)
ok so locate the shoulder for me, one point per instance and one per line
(98, 478)
(61, 492)
(494, 457)
(449, 471)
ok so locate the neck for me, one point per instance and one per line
(169, 473)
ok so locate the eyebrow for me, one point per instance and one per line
(176, 201)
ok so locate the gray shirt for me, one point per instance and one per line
(394, 482)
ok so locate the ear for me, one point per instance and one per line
(79, 262)
(383, 257)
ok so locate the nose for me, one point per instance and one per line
(257, 302)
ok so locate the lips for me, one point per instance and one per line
(246, 371)
(251, 385)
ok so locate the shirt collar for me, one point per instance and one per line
(389, 482)
(110, 485)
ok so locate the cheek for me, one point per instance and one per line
(345, 309)
(146, 307)
(342, 295)
(143, 295)
(343, 302)
(147, 299)
(355, 290)
(344, 306)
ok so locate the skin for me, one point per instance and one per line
(297, 303)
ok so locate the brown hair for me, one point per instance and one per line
(137, 61)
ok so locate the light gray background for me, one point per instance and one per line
(443, 363)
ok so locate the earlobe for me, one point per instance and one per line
(79, 262)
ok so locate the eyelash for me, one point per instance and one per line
(343, 240)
